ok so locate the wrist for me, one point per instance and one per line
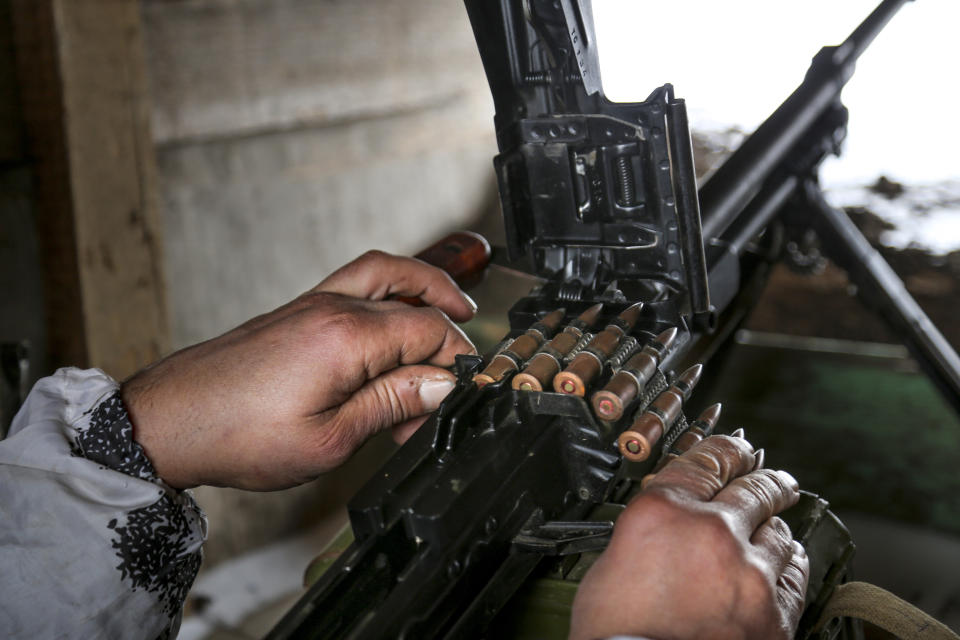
(155, 428)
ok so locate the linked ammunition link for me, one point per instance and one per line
(579, 375)
(679, 426)
(520, 349)
(550, 352)
(500, 348)
(624, 351)
(686, 437)
(650, 425)
(657, 385)
(580, 346)
(629, 380)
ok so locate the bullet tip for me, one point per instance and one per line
(554, 318)
(691, 376)
(711, 414)
(590, 316)
(760, 456)
(631, 314)
(667, 337)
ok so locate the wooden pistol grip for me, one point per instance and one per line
(462, 254)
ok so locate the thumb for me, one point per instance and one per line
(397, 397)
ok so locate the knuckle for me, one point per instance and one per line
(436, 315)
(316, 300)
(697, 471)
(704, 459)
(649, 507)
(781, 529)
(724, 445)
(793, 579)
(435, 320)
(342, 325)
(335, 441)
(802, 564)
(717, 526)
(374, 256)
(310, 300)
(390, 408)
(721, 455)
(765, 486)
(774, 537)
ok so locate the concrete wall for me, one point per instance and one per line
(291, 136)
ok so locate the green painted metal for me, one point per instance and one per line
(328, 555)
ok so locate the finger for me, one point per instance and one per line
(792, 585)
(397, 397)
(774, 540)
(362, 341)
(409, 335)
(705, 468)
(377, 275)
(758, 496)
(314, 300)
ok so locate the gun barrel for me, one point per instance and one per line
(739, 179)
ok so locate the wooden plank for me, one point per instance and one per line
(223, 67)
(84, 94)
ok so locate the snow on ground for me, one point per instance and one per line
(926, 216)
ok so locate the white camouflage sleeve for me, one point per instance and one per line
(92, 543)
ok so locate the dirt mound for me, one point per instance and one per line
(825, 304)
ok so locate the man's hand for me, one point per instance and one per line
(700, 554)
(291, 394)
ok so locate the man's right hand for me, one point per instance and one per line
(293, 393)
(700, 554)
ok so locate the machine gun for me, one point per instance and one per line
(600, 201)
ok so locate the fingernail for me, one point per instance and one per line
(739, 433)
(646, 480)
(470, 303)
(789, 480)
(433, 391)
(760, 458)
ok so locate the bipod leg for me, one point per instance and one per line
(881, 289)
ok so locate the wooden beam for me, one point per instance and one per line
(84, 94)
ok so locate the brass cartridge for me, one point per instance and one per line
(520, 350)
(541, 369)
(637, 442)
(698, 430)
(589, 363)
(624, 387)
